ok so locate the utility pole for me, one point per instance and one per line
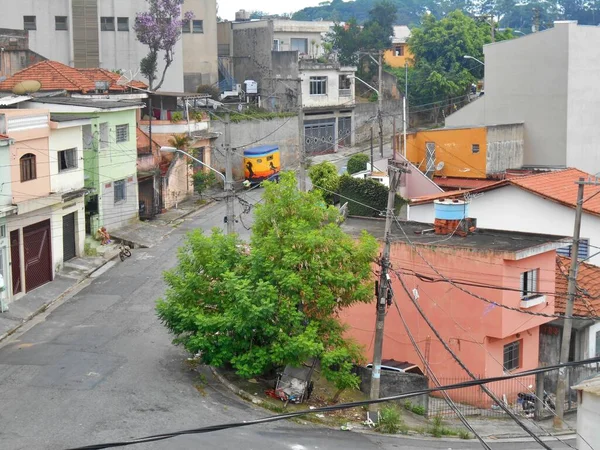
(405, 115)
(372, 162)
(395, 170)
(380, 103)
(394, 146)
(561, 388)
(301, 138)
(230, 217)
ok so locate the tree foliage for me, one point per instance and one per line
(276, 301)
(324, 177)
(357, 163)
(366, 197)
(159, 28)
(203, 180)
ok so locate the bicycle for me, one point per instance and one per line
(124, 251)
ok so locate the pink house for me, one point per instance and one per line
(513, 269)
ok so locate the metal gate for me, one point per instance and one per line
(69, 237)
(319, 136)
(429, 159)
(345, 131)
(38, 260)
(15, 263)
(147, 203)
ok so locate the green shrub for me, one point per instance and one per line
(202, 181)
(390, 421)
(369, 196)
(357, 163)
(324, 176)
(416, 409)
(464, 434)
(176, 117)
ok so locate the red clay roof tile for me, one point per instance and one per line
(587, 302)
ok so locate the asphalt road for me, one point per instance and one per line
(100, 367)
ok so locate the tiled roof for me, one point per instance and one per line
(462, 183)
(587, 302)
(560, 186)
(53, 76)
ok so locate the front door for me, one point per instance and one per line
(38, 259)
(15, 261)
(69, 237)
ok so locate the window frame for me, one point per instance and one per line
(118, 129)
(598, 343)
(105, 21)
(29, 172)
(196, 21)
(186, 26)
(296, 40)
(66, 23)
(512, 363)
(568, 250)
(121, 21)
(529, 284)
(120, 187)
(399, 50)
(30, 27)
(318, 84)
(71, 163)
(475, 148)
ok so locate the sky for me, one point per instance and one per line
(227, 8)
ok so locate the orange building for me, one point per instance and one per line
(510, 269)
(399, 54)
(469, 152)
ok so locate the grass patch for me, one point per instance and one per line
(464, 434)
(437, 429)
(390, 421)
(416, 409)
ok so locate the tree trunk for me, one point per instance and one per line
(162, 78)
(336, 396)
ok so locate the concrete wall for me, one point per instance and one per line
(394, 383)
(365, 117)
(252, 44)
(592, 349)
(5, 176)
(118, 214)
(76, 206)
(63, 139)
(473, 114)
(588, 418)
(332, 97)
(178, 183)
(504, 148)
(199, 50)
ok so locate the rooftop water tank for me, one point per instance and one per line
(450, 209)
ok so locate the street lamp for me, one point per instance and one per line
(227, 184)
(474, 59)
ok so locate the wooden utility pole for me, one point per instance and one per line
(380, 103)
(395, 170)
(561, 387)
(229, 195)
(301, 139)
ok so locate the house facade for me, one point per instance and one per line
(399, 54)
(588, 413)
(489, 339)
(106, 38)
(549, 86)
(6, 209)
(16, 54)
(528, 204)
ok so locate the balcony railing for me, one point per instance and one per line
(345, 92)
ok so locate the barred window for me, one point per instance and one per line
(318, 85)
(122, 133)
(119, 186)
(512, 355)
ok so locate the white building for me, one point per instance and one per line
(533, 204)
(99, 33)
(548, 81)
(588, 414)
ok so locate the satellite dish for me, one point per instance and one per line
(240, 108)
(27, 87)
(440, 166)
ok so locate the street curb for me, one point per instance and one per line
(233, 388)
(200, 208)
(48, 304)
(507, 439)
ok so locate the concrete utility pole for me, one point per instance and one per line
(405, 110)
(561, 388)
(395, 170)
(301, 139)
(229, 195)
(394, 146)
(372, 159)
(380, 103)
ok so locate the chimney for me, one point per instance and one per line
(451, 217)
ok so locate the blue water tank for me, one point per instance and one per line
(450, 209)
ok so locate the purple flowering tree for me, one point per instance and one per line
(159, 28)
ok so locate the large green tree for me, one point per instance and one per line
(275, 301)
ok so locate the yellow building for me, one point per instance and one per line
(468, 152)
(399, 54)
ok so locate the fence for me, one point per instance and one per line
(473, 401)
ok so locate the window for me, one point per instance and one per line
(104, 135)
(318, 85)
(28, 171)
(119, 190)
(584, 249)
(597, 343)
(186, 27)
(197, 26)
(60, 23)
(529, 284)
(2, 234)
(67, 159)
(475, 148)
(512, 355)
(107, 23)
(276, 44)
(301, 45)
(88, 137)
(122, 133)
(399, 50)
(29, 23)
(123, 23)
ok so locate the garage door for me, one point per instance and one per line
(69, 237)
(38, 262)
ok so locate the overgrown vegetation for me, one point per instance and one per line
(390, 421)
(368, 197)
(203, 180)
(324, 177)
(273, 302)
(255, 113)
(209, 89)
(416, 409)
(357, 163)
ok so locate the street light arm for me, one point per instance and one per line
(474, 59)
(175, 150)
(367, 84)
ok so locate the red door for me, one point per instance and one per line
(38, 258)
(15, 261)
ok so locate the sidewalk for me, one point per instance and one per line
(77, 270)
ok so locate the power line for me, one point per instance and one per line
(278, 417)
